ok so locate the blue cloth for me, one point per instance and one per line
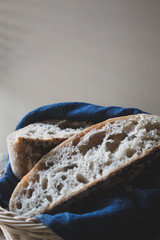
(126, 212)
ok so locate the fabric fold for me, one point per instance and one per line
(126, 212)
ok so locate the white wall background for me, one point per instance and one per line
(105, 52)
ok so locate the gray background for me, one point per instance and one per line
(105, 52)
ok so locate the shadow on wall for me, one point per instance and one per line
(12, 34)
(102, 52)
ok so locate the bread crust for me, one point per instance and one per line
(119, 175)
(25, 152)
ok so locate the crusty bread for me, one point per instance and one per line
(98, 157)
(27, 145)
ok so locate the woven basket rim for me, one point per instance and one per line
(8, 216)
(15, 225)
(12, 224)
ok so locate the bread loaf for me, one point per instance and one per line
(98, 157)
(27, 145)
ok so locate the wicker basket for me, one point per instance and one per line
(16, 227)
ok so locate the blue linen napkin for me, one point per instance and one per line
(126, 212)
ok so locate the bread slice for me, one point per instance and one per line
(98, 157)
(27, 145)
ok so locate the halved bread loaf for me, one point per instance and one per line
(98, 157)
(27, 145)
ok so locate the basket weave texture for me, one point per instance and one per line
(17, 227)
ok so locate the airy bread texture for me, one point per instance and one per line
(98, 157)
(27, 145)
